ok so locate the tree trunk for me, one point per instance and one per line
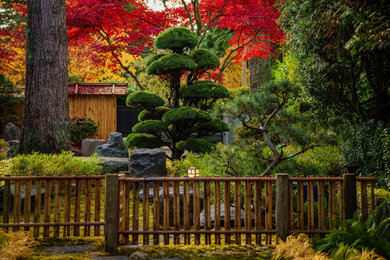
(260, 72)
(46, 113)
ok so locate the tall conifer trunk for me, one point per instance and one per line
(46, 112)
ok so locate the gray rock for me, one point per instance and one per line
(232, 211)
(69, 249)
(108, 257)
(113, 164)
(138, 255)
(12, 132)
(22, 196)
(13, 146)
(114, 147)
(148, 163)
(88, 145)
(181, 195)
(141, 194)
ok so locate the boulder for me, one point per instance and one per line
(147, 163)
(181, 195)
(113, 164)
(13, 147)
(88, 145)
(114, 147)
(12, 132)
(23, 196)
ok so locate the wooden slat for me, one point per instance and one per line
(197, 211)
(126, 209)
(268, 197)
(321, 205)
(248, 211)
(331, 203)
(299, 206)
(237, 210)
(121, 223)
(17, 203)
(135, 212)
(87, 214)
(6, 202)
(341, 200)
(257, 210)
(207, 217)
(68, 194)
(145, 213)
(97, 206)
(27, 203)
(227, 211)
(77, 203)
(311, 204)
(37, 209)
(217, 211)
(46, 210)
(156, 212)
(291, 206)
(57, 207)
(176, 211)
(166, 210)
(186, 209)
(364, 202)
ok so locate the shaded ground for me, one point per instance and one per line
(92, 248)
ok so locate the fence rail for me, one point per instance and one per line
(181, 210)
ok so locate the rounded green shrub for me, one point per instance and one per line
(176, 39)
(215, 125)
(150, 127)
(144, 100)
(205, 89)
(205, 59)
(142, 141)
(184, 114)
(153, 59)
(195, 145)
(171, 63)
(156, 114)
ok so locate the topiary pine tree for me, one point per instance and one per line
(182, 123)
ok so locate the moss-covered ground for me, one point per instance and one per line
(171, 251)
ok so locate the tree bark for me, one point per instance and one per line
(259, 73)
(46, 113)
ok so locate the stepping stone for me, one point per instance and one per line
(69, 249)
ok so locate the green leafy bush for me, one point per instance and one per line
(82, 127)
(367, 146)
(3, 149)
(54, 164)
(372, 234)
(176, 39)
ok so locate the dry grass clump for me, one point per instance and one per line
(350, 253)
(298, 247)
(16, 245)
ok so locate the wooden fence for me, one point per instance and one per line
(53, 205)
(203, 210)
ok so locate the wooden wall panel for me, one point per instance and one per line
(101, 108)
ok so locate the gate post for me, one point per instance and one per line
(111, 213)
(350, 198)
(282, 207)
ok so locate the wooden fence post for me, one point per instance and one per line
(111, 213)
(282, 205)
(350, 198)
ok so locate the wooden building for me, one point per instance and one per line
(97, 101)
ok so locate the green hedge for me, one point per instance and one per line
(54, 165)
